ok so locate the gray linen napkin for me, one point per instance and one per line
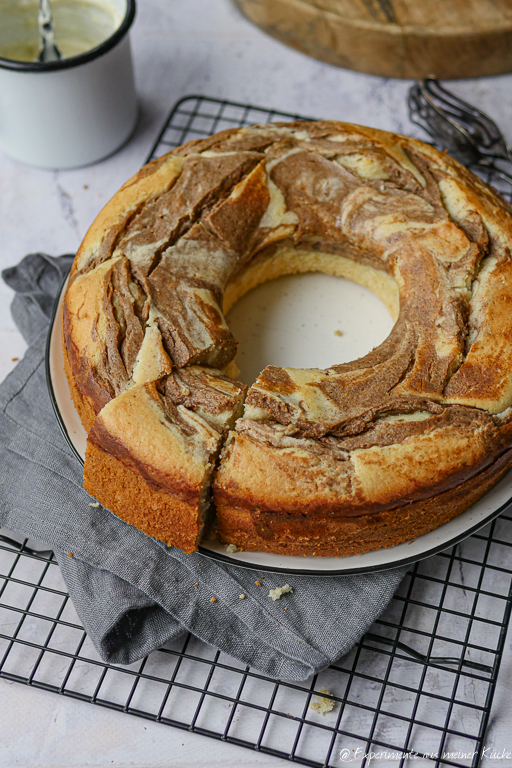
(132, 593)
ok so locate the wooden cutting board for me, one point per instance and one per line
(394, 38)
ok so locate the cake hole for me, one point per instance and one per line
(309, 320)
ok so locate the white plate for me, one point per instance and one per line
(296, 321)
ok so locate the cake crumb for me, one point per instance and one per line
(258, 583)
(276, 593)
(231, 548)
(242, 597)
(213, 600)
(70, 554)
(94, 503)
(323, 704)
(196, 585)
(337, 332)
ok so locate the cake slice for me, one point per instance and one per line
(152, 450)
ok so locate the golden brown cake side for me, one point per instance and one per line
(269, 468)
(334, 537)
(82, 405)
(138, 502)
(151, 452)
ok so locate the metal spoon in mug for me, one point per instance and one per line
(48, 48)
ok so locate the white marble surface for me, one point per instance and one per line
(180, 47)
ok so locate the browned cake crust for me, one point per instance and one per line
(82, 405)
(139, 502)
(151, 452)
(302, 534)
(358, 456)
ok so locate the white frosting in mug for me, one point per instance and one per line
(80, 25)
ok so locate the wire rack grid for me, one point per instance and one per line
(419, 684)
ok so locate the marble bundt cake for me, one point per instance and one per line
(359, 456)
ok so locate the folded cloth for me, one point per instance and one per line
(132, 593)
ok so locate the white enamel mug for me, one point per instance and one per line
(73, 112)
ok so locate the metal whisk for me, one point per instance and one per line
(468, 134)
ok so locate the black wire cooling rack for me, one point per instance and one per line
(421, 682)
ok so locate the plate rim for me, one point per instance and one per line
(212, 554)
(47, 368)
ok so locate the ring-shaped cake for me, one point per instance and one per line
(362, 455)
